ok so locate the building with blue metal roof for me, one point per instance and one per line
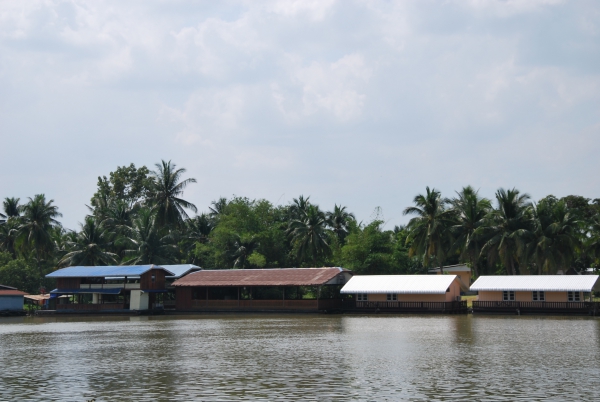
(109, 288)
(106, 271)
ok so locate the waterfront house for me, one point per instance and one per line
(461, 270)
(179, 271)
(405, 293)
(108, 288)
(571, 294)
(11, 300)
(276, 289)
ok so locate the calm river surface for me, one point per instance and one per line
(300, 357)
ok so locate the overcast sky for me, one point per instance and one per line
(352, 102)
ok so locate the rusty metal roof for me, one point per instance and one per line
(262, 277)
(11, 292)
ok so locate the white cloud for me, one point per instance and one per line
(362, 103)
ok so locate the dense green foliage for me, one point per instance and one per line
(138, 216)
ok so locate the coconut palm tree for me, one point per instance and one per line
(89, 247)
(592, 243)
(145, 242)
(9, 232)
(218, 207)
(299, 207)
(38, 219)
(198, 228)
(165, 194)
(309, 234)
(554, 237)
(338, 220)
(470, 210)
(243, 247)
(508, 230)
(429, 231)
(11, 207)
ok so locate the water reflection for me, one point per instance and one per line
(307, 357)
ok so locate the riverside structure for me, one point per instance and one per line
(526, 294)
(406, 293)
(108, 288)
(275, 289)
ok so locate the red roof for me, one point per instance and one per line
(261, 277)
(11, 292)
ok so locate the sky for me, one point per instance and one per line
(359, 103)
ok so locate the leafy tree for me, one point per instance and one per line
(470, 210)
(127, 184)
(369, 250)
(309, 234)
(21, 274)
(508, 229)
(39, 217)
(429, 231)
(89, 247)
(165, 193)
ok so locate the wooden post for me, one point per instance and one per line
(238, 297)
(283, 299)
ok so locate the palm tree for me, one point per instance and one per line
(299, 207)
(218, 207)
(470, 210)
(309, 234)
(339, 220)
(38, 219)
(198, 228)
(9, 232)
(164, 197)
(429, 232)
(243, 247)
(146, 244)
(592, 244)
(89, 247)
(554, 237)
(508, 229)
(11, 207)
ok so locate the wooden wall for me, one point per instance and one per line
(68, 283)
(183, 298)
(159, 280)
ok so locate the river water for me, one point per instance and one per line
(300, 357)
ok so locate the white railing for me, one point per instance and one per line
(110, 286)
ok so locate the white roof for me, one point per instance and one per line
(415, 284)
(549, 283)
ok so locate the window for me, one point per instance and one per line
(539, 295)
(573, 296)
(508, 295)
(392, 297)
(153, 278)
(361, 297)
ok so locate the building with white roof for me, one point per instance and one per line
(406, 292)
(531, 293)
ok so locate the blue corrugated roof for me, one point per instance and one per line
(180, 270)
(103, 271)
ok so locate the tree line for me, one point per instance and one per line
(139, 216)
